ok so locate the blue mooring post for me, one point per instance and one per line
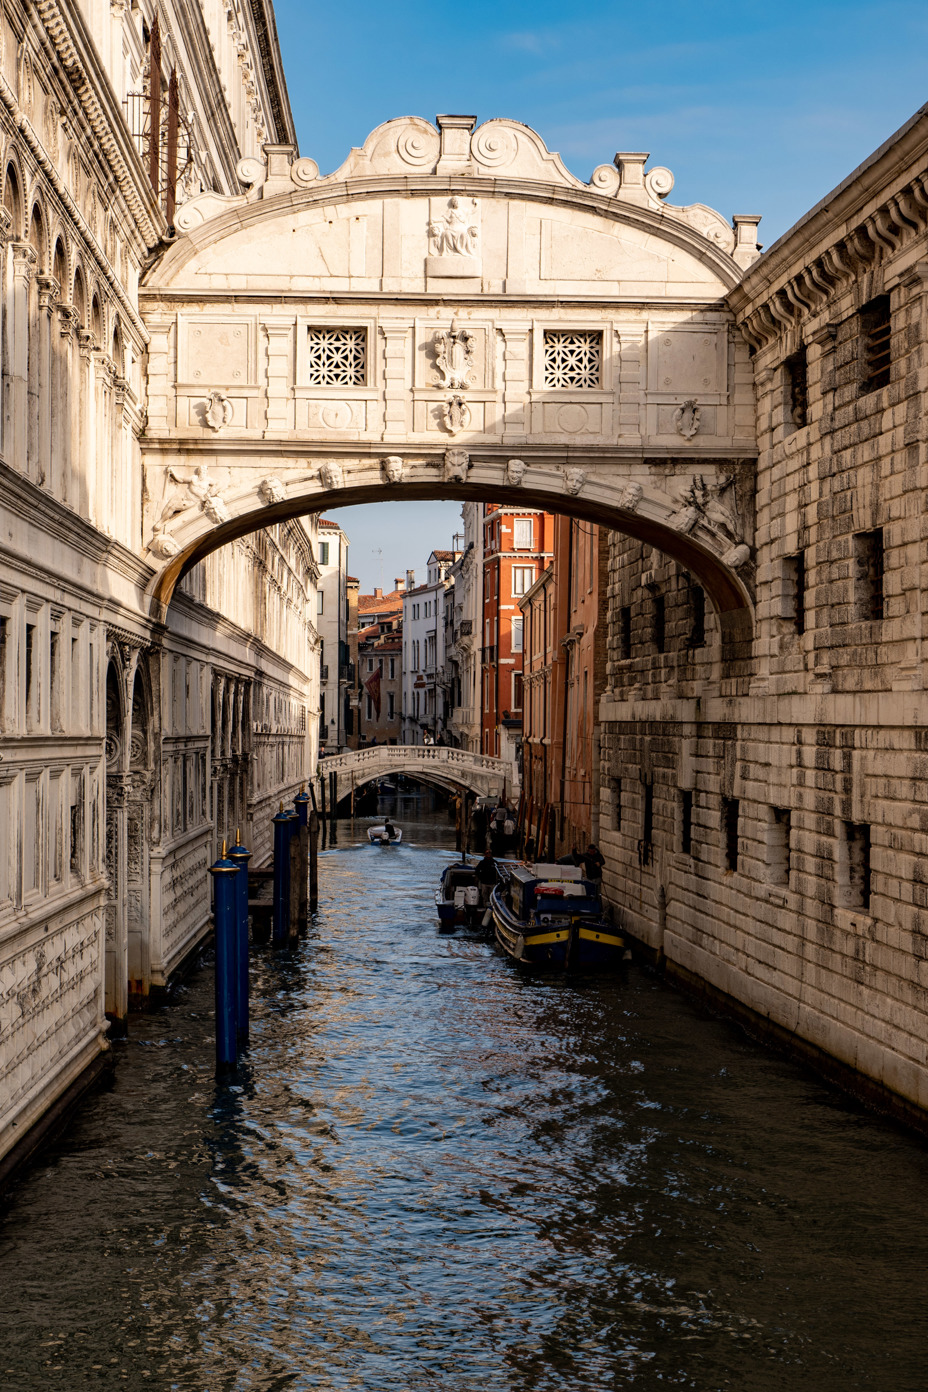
(301, 803)
(240, 857)
(282, 823)
(224, 873)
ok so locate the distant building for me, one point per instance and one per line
(352, 586)
(332, 624)
(564, 674)
(518, 544)
(424, 707)
(379, 682)
(463, 649)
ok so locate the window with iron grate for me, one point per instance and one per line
(876, 344)
(797, 388)
(336, 357)
(573, 359)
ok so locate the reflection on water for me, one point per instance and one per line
(433, 1173)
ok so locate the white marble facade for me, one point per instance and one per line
(128, 748)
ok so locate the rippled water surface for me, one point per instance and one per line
(434, 1173)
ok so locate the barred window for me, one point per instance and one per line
(573, 359)
(336, 357)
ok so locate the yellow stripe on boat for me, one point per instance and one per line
(608, 938)
(536, 941)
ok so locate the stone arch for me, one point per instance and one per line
(96, 319)
(79, 295)
(37, 234)
(616, 500)
(59, 265)
(118, 352)
(13, 198)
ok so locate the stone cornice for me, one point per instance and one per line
(63, 194)
(875, 216)
(78, 56)
(272, 69)
(27, 500)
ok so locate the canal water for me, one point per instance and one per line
(436, 1174)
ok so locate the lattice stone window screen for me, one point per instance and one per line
(573, 359)
(336, 357)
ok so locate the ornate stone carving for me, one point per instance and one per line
(631, 497)
(199, 491)
(659, 182)
(704, 502)
(686, 419)
(455, 466)
(456, 232)
(453, 240)
(574, 479)
(218, 411)
(515, 472)
(454, 356)
(271, 490)
(162, 544)
(737, 557)
(495, 145)
(330, 474)
(605, 179)
(418, 145)
(52, 118)
(304, 172)
(253, 173)
(393, 468)
(455, 414)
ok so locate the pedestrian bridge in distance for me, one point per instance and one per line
(455, 769)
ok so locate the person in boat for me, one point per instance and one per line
(389, 830)
(571, 858)
(593, 862)
(487, 876)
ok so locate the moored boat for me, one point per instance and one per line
(457, 898)
(381, 836)
(549, 916)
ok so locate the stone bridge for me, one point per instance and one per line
(455, 769)
(452, 313)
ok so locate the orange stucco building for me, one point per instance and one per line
(563, 677)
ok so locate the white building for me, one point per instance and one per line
(332, 625)
(463, 658)
(424, 651)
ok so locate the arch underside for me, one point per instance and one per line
(700, 550)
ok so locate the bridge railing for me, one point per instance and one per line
(411, 753)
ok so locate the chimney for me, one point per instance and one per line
(399, 584)
(410, 579)
(378, 592)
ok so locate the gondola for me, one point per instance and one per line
(550, 916)
(457, 898)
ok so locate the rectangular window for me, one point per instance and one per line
(796, 384)
(855, 855)
(615, 803)
(370, 664)
(4, 631)
(697, 633)
(730, 810)
(646, 843)
(658, 623)
(336, 357)
(625, 631)
(875, 344)
(370, 708)
(523, 577)
(778, 845)
(517, 689)
(522, 533)
(392, 668)
(686, 821)
(573, 358)
(323, 553)
(868, 575)
(517, 627)
(320, 602)
(32, 680)
(794, 590)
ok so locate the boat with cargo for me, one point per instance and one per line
(550, 916)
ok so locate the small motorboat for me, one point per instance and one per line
(457, 898)
(550, 916)
(379, 836)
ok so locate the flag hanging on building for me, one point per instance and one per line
(372, 687)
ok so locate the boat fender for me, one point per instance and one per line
(487, 918)
(518, 948)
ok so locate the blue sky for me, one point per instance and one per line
(755, 109)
